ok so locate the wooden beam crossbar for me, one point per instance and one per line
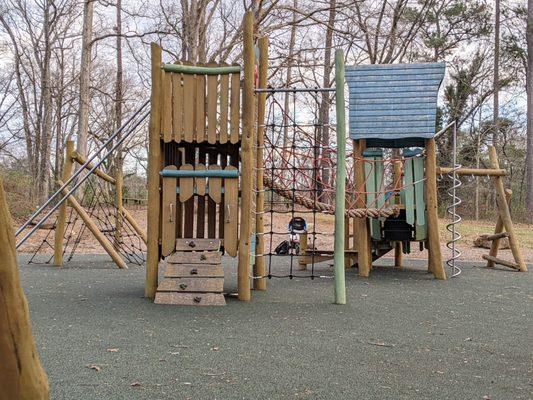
(106, 244)
(473, 171)
(75, 156)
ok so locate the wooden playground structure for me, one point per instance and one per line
(207, 175)
(214, 156)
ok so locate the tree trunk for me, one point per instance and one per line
(325, 102)
(285, 151)
(85, 77)
(529, 79)
(118, 122)
(118, 84)
(21, 374)
(496, 106)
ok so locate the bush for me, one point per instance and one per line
(17, 187)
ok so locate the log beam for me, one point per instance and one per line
(21, 373)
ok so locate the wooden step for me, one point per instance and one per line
(194, 270)
(505, 263)
(191, 285)
(190, 299)
(187, 257)
(197, 245)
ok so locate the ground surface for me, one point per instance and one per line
(403, 335)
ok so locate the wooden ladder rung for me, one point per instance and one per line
(200, 284)
(499, 261)
(197, 245)
(187, 257)
(190, 299)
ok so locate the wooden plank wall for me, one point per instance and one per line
(200, 108)
(200, 127)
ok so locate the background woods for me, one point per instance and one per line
(78, 68)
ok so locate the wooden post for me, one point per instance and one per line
(154, 164)
(398, 247)
(243, 278)
(495, 245)
(340, 185)
(260, 270)
(21, 373)
(118, 200)
(361, 227)
(505, 214)
(347, 259)
(302, 264)
(434, 253)
(62, 216)
(86, 218)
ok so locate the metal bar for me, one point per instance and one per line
(443, 129)
(294, 90)
(191, 69)
(169, 173)
(84, 178)
(340, 199)
(80, 170)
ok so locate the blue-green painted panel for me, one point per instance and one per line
(393, 101)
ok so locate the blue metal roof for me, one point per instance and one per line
(393, 101)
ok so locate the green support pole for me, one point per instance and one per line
(340, 187)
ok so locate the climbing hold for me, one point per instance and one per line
(194, 271)
(183, 286)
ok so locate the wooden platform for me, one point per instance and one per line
(193, 275)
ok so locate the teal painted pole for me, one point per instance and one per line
(181, 173)
(192, 69)
(340, 187)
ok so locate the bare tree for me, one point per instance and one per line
(529, 85)
(85, 77)
(496, 81)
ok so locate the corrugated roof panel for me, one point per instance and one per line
(393, 101)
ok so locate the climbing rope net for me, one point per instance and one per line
(98, 201)
(300, 155)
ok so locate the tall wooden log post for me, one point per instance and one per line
(505, 214)
(21, 374)
(154, 165)
(62, 215)
(361, 227)
(434, 254)
(260, 270)
(248, 112)
(119, 216)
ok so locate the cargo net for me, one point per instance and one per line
(299, 172)
(98, 201)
